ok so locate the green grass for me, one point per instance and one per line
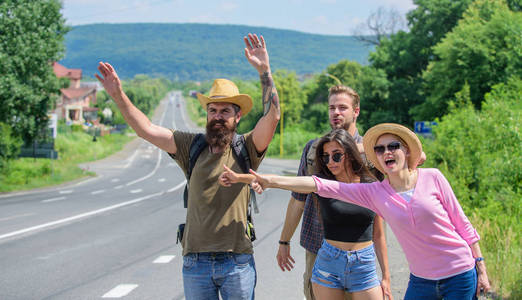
(73, 148)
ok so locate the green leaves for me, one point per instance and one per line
(31, 38)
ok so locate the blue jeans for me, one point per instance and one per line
(205, 275)
(458, 287)
(351, 271)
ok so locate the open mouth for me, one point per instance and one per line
(389, 162)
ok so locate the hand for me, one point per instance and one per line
(256, 187)
(284, 259)
(228, 177)
(422, 159)
(386, 290)
(256, 53)
(261, 180)
(110, 81)
(483, 282)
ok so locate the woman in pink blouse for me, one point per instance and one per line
(440, 243)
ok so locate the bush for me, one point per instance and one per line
(9, 145)
(480, 154)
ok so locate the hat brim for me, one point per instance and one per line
(413, 143)
(242, 100)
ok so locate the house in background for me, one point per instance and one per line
(74, 102)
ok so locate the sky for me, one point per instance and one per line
(332, 17)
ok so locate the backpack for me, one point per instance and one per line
(240, 152)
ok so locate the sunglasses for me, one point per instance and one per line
(379, 150)
(336, 157)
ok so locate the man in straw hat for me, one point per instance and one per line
(217, 252)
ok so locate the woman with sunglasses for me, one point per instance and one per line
(439, 242)
(346, 259)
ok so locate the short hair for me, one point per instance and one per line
(343, 89)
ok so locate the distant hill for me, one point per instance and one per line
(200, 51)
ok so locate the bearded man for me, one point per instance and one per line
(217, 251)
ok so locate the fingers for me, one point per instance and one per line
(247, 43)
(263, 42)
(254, 42)
(227, 169)
(103, 69)
(98, 77)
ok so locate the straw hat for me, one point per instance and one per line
(411, 139)
(225, 91)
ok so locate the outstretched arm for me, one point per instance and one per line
(300, 184)
(157, 135)
(257, 56)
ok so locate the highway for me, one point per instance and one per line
(114, 235)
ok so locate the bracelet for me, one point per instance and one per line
(284, 243)
(477, 259)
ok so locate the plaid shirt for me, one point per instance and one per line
(312, 227)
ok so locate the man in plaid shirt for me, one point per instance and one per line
(343, 109)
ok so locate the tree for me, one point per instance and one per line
(405, 55)
(483, 50)
(31, 38)
(381, 23)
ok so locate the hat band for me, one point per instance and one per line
(219, 97)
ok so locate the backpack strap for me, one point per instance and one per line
(196, 147)
(243, 159)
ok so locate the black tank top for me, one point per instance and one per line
(345, 222)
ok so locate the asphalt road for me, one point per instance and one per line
(113, 236)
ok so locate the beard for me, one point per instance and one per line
(345, 125)
(222, 136)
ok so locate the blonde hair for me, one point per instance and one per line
(342, 89)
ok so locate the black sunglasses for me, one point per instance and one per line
(379, 150)
(336, 157)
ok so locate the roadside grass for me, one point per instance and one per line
(73, 148)
(500, 246)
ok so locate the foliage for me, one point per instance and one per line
(480, 154)
(144, 92)
(9, 146)
(483, 50)
(31, 38)
(201, 51)
(405, 55)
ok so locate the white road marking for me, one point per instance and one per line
(164, 259)
(145, 156)
(76, 217)
(136, 191)
(120, 291)
(97, 192)
(161, 180)
(118, 187)
(151, 173)
(115, 180)
(66, 192)
(16, 217)
(54, 199)
(177, 186)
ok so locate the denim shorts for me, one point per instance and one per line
(351, 271)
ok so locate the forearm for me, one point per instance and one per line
(132, 115)
(475, 250)
(294, 211)
(245, 178)
(381, 250)
(270, 97)
(300, 184)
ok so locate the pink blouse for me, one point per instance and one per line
(432, 228)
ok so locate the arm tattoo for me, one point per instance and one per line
(270, 96)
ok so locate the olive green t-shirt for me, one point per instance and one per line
(216, 215)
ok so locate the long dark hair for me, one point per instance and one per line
(352, 157)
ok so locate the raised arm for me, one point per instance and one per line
(157, 135)
(257, 56)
